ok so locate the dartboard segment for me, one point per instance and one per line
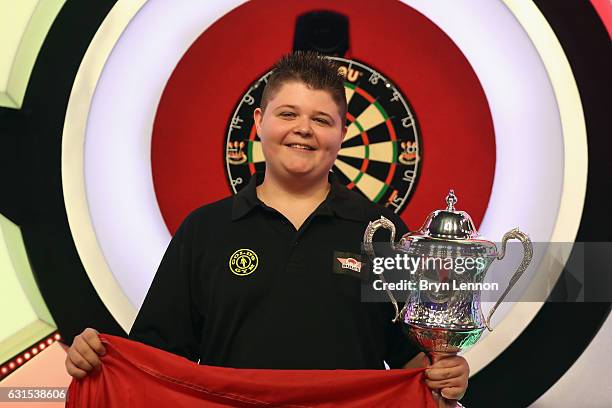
(255, 153)
(371, 187)
(349, 91)
(383, 151)
(371, 117)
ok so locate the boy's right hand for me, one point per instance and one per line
(83, 354)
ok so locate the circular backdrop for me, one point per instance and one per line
(171, 75)
(203, 115)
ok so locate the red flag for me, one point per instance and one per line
(135, 375)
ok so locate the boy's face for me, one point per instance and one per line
(301, 131)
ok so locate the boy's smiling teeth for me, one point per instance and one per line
(300, 146)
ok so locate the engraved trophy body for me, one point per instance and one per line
(446, 317)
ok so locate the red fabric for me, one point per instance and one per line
(134, 375)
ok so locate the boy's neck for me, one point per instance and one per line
(278, 190)
(295, 199)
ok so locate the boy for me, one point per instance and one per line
(257, 280)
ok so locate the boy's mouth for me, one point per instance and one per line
(300, 146)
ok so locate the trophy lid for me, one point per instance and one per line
(449, 223)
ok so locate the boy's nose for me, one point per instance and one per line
(303, 128)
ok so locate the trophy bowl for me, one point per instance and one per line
(442, 314)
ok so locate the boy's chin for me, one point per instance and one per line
(304, 172)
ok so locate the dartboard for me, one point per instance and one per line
(380, 153)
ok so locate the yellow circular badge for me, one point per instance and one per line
(243, 262)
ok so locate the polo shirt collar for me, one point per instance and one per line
(340, 201)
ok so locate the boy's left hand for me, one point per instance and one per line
(449, 376)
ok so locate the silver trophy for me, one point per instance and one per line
(444, 315)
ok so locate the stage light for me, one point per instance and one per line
(28, 354)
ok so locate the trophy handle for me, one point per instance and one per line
(368, 236)
(527, 256)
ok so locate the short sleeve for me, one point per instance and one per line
(168, 319)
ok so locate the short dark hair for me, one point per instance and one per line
(312, 69)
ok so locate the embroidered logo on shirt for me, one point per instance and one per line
(243, 262)
(350, 263)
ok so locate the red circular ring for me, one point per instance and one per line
(458, 142)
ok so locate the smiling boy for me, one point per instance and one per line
(260, 279)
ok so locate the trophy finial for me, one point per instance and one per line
(451, 200)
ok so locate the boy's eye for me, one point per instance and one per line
(287, 114)
(322, 121)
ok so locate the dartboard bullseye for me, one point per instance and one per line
(380, 154)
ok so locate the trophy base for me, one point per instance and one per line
(435, 340)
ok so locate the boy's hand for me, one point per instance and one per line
(448, 375)
(83, 354)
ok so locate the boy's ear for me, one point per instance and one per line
(344, 130)
(257, 115)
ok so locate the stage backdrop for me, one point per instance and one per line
(138, 112)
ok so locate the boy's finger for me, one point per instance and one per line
(442, 402)
(451, 361)
(443, 373)
(74, 371)
(435, 357)
(87, 353)
(453, 393)
(94, 342)
(78, 360)
(438, 385)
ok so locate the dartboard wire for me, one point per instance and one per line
(350, 64)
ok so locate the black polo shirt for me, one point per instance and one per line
(239, 286)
